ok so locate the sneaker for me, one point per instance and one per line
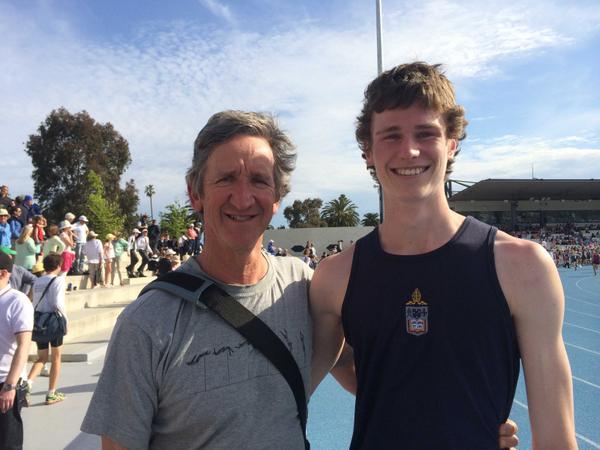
(141, 275)
(27, 399)
(54, 398)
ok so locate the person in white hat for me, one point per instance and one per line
(95, 255)
(66, 235)
(4, 228)
(80, 233)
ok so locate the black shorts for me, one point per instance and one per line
(55, 343)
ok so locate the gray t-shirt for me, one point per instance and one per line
(177, 376)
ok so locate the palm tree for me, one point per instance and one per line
(340, 212)
(149, 190)
(370, 220)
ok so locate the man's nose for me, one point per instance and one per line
(242, 196)
(408, 148)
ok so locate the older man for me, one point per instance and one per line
(177, 376)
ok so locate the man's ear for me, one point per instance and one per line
(367, 155)
(195, 200)
(452, 146)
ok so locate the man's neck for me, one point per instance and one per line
(412, 229)
(234, 268)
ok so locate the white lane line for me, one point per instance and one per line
(582, 301)
(522, 405)
(582, 348)
(583, 314)
(589, 383)
(583, 289)
(579, 436)
(581, 328)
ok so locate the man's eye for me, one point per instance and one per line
(391, 137)
(425, 134)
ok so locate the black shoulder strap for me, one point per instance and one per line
(43, 293)
(258, 333)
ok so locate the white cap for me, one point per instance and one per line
(83, 219)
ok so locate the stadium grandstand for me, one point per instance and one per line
(525, 204)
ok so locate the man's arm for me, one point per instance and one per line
(327, 290)
(343, 371)
(16, 367)
(109, 444)
(534, 293)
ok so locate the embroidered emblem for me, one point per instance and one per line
(416, 315)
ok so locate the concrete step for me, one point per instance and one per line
(99, 296)
(85, 348)
(81, 282)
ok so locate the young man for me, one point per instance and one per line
(16, 324)
(438, 308)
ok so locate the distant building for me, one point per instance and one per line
(520, 204)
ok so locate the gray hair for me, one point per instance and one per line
(226, 125)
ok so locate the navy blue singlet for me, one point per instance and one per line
(437, 360)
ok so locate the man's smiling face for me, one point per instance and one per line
(410, 151)
(239, 194)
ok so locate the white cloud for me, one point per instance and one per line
(514, 156)
(159, 88)
(219, 10)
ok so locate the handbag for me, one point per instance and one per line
(47, 326)
(198, 290)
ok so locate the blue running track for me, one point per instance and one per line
(331, 409)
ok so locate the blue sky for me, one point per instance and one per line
(526, 72)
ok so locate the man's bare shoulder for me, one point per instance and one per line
(328, 286)
(525, 267)
(520, 253)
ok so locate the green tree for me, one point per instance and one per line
(304, 214)
(149, 191)
(340, 212)
(370, 220)
(128, 203)
(64, 150)
(104, 215)
(176, 219)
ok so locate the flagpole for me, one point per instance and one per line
(379, 71)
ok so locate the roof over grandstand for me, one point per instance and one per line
(528, 189)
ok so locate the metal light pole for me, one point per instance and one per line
(379, 71)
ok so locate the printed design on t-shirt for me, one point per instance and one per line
(417, 315)
(238, 362)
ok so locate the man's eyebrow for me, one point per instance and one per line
(388, 129)
(428, 126)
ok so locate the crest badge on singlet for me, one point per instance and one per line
(417, 314)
